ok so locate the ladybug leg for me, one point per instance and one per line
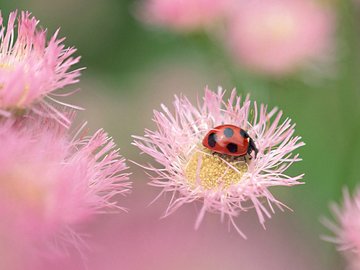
(252, 147)
(249, 150)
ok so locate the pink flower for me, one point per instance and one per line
(51, 181)
(183, 15)
(31, 69)
(347, 231)
(279, 36)
(223, 184)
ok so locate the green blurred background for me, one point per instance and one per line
(132, 68)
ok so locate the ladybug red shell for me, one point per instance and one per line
(229, 140)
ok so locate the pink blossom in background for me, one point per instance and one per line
(182, 15)
(279, 36)
(226, 186)
(143, 241)
(31, 68)
(347, 231)
(50, 182)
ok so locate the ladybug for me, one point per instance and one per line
(229, 140)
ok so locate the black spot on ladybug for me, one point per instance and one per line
(228, 132)
(244, 134)
(232, 147)
(212, 140)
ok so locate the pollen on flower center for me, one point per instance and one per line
(212, 171)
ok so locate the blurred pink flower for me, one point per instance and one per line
(182, 15)
(277, 37)
(223, 184)
(50, 182)
(347, 231)
(31, 69)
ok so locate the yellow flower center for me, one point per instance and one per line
(18, 183)
(24, 94)
(23, 97)
(6, 66)
(213, 171)
(278, 26)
